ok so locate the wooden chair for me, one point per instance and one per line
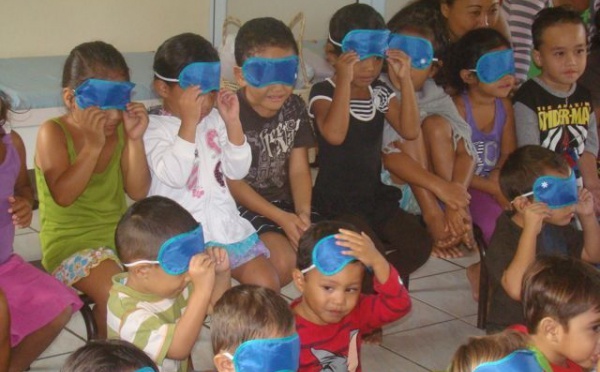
(484, 284)
(91, 327)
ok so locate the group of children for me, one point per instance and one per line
(224, 191)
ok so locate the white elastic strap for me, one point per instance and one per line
(165, 78)
(140, 262)
(308, 269)
(332, 41)
(228, 355)
(526, 195)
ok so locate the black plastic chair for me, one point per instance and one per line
(484, 283)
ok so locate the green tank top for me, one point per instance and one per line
(91, 220)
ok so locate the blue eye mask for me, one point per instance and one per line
(268, 355)
(260, 72)
(175, 254)
(327, 257)
(518, 361)
(145, 369)
(556, 192)
(493, 66)
(106, 94)
(366, 43)
(207, 75)
(418, 49)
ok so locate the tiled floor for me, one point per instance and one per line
(443, 316)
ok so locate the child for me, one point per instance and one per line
(275, 196)
(152, 305)
(429, 164)
(191, 147)
(349, 111)
(252, 329)
(553, 110)
(84, 161)
(561, 302)
(540, 225)
(39, 305)
(331, 315)
(481, 71)
(109, 356)
(483, 349)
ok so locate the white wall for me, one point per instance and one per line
(54, 27)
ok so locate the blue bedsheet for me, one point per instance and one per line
(35, 82)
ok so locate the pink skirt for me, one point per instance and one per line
(34, 297)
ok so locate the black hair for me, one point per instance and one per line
(260, 33)
(353, 17)
(525, 165)
(311, 237)
(596, 36)
(89, 59)
(147, 224)
(463, 54)
(423, 17)
(5, 107)
(181, 50)
(549, 17)
(108, 356)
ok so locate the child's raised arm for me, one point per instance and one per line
(363, 249)
(333, 117)
(22, 200)
(590, 227)
(67, 181)
(136, 175)
(404, 115)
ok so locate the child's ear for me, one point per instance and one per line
(161, 88)
(298, 279)
(550, 329)
(140, 271)
(535, 54)
(68, 97)
(239, 76)
(435, 68)
(223, 364)
(469, 77)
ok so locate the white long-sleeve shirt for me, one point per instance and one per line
(193, 174)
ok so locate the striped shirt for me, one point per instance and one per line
(146, 320)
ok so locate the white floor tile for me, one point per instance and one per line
(421, 315)
(35, 221)
(66, 342)
(24, 231)
(449, 292)
(50, 364)
(433, 266)
(377, 358)
(467, 260)
(431, 347)
(290, 291)
(28, 246)
(77, 325)
(472, 320)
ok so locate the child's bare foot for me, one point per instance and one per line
(441, 235)
(373, 338)
(452, 251)
(473, 277)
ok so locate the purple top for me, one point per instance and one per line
(9, 171)
(486, 144)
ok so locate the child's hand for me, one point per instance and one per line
(458, 220)
(202, 271)
(500, 198)
(595, 191)
(344, 67)
(454, 195)
(220, 258)
(21, 211)
(190, 105)
(229, 107)
(360, 247)
(399, 66)
(135, 120)
(534, 215)
(92, 125)
(585, 204)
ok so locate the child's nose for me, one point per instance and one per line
(483, 21)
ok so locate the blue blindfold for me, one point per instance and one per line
(556, 192)
(105, 94)
(207, 75)
(145, 369)
(327, 257)
(418, 49)
(260, 72)
(493, 66)
(268, 355)
(518, 361)
(366, 43)
(175, 254)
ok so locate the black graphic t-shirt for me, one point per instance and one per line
(272, 141)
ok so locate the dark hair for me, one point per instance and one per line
(260, 33)
(559, 287)
(353, 17)
(313, 234)
(147, 224)
(463, 54)
(525, 165)
(549, 17)
(5, 107)
(425, 18)
(181, 50)
(89, 59)
(247, 312)
(596, 36)
(108, 356)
